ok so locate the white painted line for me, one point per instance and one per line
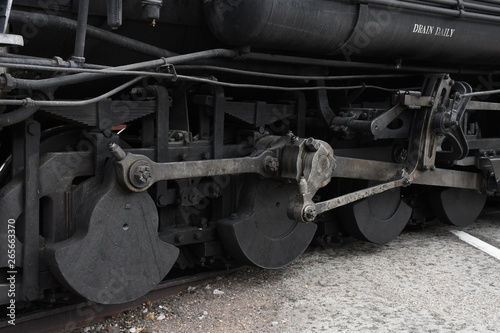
(477, 243)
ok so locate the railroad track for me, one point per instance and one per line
(69, 317)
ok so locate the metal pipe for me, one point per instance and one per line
(62, 23)
(353, 64)
(84, 77)
(112, 72)
(433, 10)
(466, 5)
(481, 93)
(287, 76)
(29, 104)
(55, 63)
(497, 2)
(18, 115)
(103, 70)
(81, 30)
(114, 12)
(219, 53)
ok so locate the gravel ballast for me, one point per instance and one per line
(426, 281)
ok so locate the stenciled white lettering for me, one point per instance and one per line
(433, 30)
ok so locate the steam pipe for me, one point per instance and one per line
(84, 77)
(81, 31)
(63, 23)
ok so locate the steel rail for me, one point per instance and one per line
(72, 316)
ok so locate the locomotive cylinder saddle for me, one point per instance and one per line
(141, 139)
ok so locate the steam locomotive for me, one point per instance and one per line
(144, 136)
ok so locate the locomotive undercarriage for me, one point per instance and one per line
(253, 201)
(224, 157)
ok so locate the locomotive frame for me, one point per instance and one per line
(229, 132)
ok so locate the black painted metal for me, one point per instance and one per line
(91, 228)
(115, 254)
(456, 206)
(377, 219)
(260, 232)
(18, 115)
(399, 29)
(62, 23)
(81, 30)
(323, 104)
(301, 114)
(31, 244)
(84, 77)
(115, 9)
(162, 128)
(218, 122)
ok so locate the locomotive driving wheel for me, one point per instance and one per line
(115, 254)
(377, 219)
(456, 206)
(260, 233)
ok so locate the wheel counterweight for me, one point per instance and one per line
(457, 206)
(260, 233)
(115, 255)
(377, 219)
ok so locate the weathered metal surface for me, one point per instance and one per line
(31, 225)
(381, 28)
(115, 255)
(131, 177)
(449, 178)
(456, 206)
(358, 195)
(379, 218)
(227, 112)
(486, 106)
(260, 233)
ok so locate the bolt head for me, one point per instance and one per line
(140, 174)
(162, 200)
(312, 145)
(272, 164)
(143, 174)
(193, 197)
(178, 136)
(34, 128)
(309, 213)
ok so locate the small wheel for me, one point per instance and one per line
(376, 219)
(260, 233)
(456, 206)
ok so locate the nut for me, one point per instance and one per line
(140, 174)
(34, 128)
(312, 144)
(271, 164)
(309, 213)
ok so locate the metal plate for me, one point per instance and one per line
(261, 234)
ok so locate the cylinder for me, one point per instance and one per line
(114, 8)
(350, 29)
